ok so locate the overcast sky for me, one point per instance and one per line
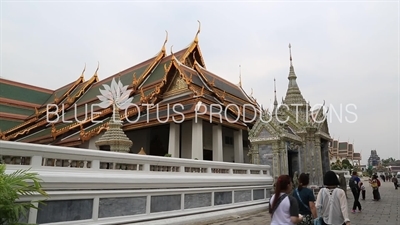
(343, 52)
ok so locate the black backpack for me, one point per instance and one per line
(353, 183)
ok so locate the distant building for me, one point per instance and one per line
(343, 150)
(374, 159)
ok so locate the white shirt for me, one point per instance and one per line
(287, 208)
(333, 205)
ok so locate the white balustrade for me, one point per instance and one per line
(99, 178)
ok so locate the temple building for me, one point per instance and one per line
(177, 108)
(294, 137)
(374, 159)
(343, 150)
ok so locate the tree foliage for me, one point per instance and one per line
(12, 186)
(341, 165)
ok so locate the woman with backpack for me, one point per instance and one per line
(283, 207)
(306, 200)
(332, 203)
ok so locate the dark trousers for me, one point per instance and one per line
(363, 194)
(356, 195)
(395, 185)
(376, 194)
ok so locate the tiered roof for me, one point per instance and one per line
(180, 77)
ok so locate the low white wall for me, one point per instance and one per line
(98, 187)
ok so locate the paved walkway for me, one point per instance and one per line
(384, 212)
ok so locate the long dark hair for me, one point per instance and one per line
(281, 185)
(304, 180)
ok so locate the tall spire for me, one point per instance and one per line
(275, 100)
(293, 94)
(240, 75)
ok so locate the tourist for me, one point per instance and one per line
(283, 207)
(354, 184)
(375, 184)
(331, 202)
(306, 200)
(362, 187)
(395, 182)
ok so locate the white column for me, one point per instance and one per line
(197, 139)
(238, 146)
(217, 146)
(173, 144)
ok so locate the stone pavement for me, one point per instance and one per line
(384, 212)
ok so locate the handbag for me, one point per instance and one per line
(319, 220)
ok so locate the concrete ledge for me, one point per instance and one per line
(209, 217)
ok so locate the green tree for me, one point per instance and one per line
(12, 186)
(346, 164)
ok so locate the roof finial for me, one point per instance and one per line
(275, 100)
(196, 39)
(83, 71)
(98, 65)
(172, 53)
(165, 42)
(240, 75)
(290, 53)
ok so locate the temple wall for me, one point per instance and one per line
(325, 157)
(266, 155)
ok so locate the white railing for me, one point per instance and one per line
(115, 188)
(69, 168)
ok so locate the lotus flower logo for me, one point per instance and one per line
(116, 94)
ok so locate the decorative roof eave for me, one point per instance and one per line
(38, 114)
(292, 137)
(87, 135)
(324, 135)
(80, 80)
(249, 98)
(221, 98)
(261, 140)
(194, 45)
(151, 67)
(57, 132)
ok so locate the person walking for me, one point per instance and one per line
(284, 209)
(331, 202)
(354, 184)
(395, 182)
(362, 187)
(306, 200)
(375, 184)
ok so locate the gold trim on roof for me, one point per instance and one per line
(192, 46)
(158, 58)
(87, 135)
(134, 81)
(165, 42)
(83, 72)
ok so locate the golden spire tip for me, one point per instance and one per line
(98, 65)
(172, 53)
(196, 39)
(165, 42)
